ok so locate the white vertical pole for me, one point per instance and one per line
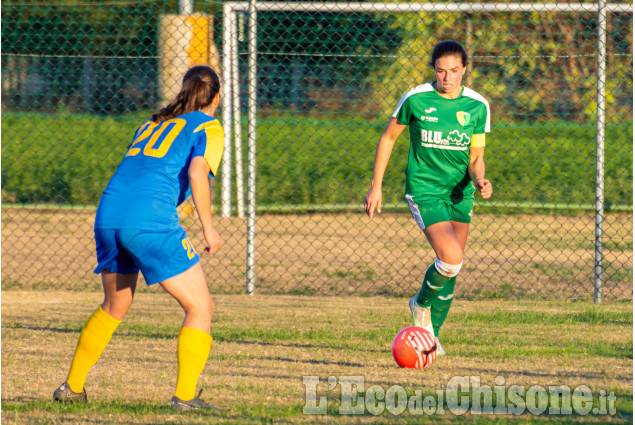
(226, 99)
(251, 154)
(186, 7)
(240, 185)
(599, 173)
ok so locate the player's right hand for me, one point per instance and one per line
(373, 200)
(214, 242)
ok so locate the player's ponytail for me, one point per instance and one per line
(200, 85)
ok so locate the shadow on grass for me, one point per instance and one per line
(16, 325)
(24, 404)
(152, 412)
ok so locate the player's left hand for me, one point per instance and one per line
(214, 242)
(484, 187)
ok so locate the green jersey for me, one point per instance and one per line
(441, 132)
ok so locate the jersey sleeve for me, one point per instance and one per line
(484, 122)
(403, 110)
(210, 144)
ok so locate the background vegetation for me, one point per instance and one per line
(327, 83)
(531, 66)
(69, 160)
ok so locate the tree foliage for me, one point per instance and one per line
(531, 66)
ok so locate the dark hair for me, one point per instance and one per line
(448, 48)
(200, 86)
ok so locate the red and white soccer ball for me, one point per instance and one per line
(414, 348)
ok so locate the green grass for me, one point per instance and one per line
(264, 413)
(69, 159)
(116, 407)
(359, 272)
(264, 345)
(484, 345)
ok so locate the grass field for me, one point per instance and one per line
(264, 345)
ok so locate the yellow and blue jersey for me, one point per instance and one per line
(152, 179)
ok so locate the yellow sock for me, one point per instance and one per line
(92, 341)
(192, 352)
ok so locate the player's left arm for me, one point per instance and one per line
(199, 182)
(207, 154)
(476, 167)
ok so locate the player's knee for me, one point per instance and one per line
(447, 270)
(199, 307)
(116, 309)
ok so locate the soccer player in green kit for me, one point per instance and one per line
(447, 125)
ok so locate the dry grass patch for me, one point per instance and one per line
(325, 254)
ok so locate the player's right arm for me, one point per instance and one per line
(382, 155)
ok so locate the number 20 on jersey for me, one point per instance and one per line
(165, 141)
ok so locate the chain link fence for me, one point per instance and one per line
(79, 77)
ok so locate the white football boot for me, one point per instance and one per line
(421, 315)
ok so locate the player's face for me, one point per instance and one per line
(449, 70)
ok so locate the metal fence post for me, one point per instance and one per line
(186, 7)
(599, 173)
(235, 84)
(227, 110)
(251, 154)
(240, 197)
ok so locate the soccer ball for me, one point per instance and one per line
(414, 348)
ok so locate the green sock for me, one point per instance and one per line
(441, 305)
(433, 282)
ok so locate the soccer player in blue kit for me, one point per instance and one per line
(137, 229)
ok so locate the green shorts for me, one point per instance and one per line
(427, 210)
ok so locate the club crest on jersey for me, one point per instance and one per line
(463, 117)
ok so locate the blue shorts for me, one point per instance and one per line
(159, 255)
